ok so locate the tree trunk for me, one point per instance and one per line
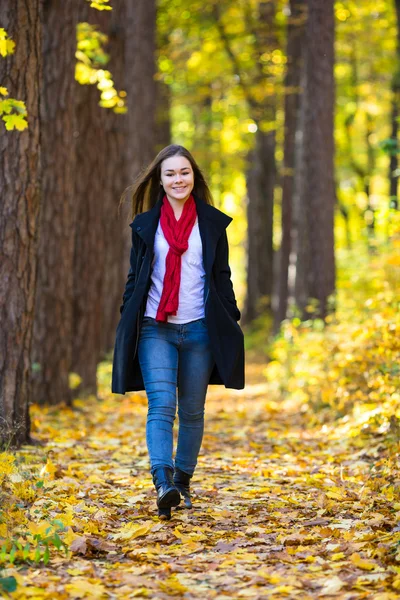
(19, 221)
(295, 43)
(140, 68)
(163, 119)
(90, 251)
(116, 180)
(52, 347)
(99, 181)
(393, 165)
(260, 179)
(318, 194)
(141, 85)
(260, 188)
(299, 287)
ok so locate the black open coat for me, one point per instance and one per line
(221, 311)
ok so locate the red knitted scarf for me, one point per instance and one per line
(177, 235)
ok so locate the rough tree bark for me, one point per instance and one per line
(140, 66)
(318, 193)
(295, 46)
(99, 181)
(52, 347)
(261, 172)
(116, 180)
(393, 164)
(261, 179)
(108, 145)
(141, 84)
(19, 219)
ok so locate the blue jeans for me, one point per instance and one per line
(175, 356)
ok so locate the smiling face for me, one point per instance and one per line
(177, 178)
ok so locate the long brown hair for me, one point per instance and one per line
(146, 189)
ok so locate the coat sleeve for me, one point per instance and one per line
(131, 278)
(222, 271)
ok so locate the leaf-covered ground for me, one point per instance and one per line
(296, 494)
(281, 509)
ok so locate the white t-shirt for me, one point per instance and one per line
(191, 291)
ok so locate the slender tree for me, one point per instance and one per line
(19, 219)
(261, 169)
(393, 161)
(141, 84)
(294, 52)
(316, 267)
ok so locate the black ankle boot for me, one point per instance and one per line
(182, 482)
(167, 494)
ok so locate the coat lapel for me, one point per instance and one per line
(145, 224)
(212, 222)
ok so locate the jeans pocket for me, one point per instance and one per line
(147, 320)
(203, 322)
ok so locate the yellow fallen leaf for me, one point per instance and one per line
(396, 583)
(42, 528)
(362, 563)
(70, 536)
(131, 531)
(310, 558)
(140, 592)
(172, 586)
(86, 588)
(94, 479)
(284, 589)
(75, 572)
(336, 494)
(273, 578)
(338, 556)
(49, 468)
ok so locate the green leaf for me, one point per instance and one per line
(12, 554)
(3, 552)
(8, 584)
(25, 552)
(57, 541)
(59, 524)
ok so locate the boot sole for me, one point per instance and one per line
(171, 498)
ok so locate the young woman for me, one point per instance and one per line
(178, 329)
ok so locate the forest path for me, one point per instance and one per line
(282, 507)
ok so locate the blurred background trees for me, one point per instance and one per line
(291, 108)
